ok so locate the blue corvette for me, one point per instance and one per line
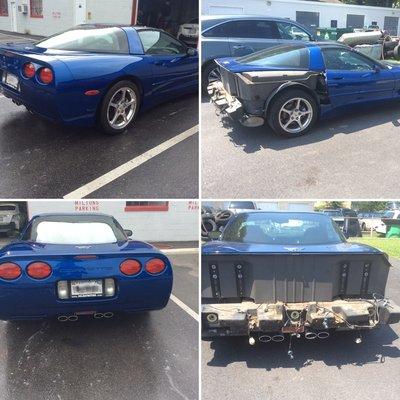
(68, 265)
(291, 86)
(98, 74)
(275, 275)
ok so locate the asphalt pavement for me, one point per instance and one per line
(143, 356)
(41, 159)
(329, 369)
(354, 155)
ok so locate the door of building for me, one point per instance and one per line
(391, 25)
(14, 15)
(80, 12)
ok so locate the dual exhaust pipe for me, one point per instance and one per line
(74, 317)
(280, 338)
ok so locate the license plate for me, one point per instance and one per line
(11, 80)
(89, 288)
(293, 329)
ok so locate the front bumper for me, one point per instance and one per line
(232, 106)
(247, 318)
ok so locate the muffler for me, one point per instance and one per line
(265, 338)
(278, 338)
(323, 335)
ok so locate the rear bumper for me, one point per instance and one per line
(247, 318)
(232, 106)
(38, 300)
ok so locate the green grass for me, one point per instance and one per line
(390, 246)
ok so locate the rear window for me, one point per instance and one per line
(246, 205)
(100, 40)
(282, 229)
(292, 57)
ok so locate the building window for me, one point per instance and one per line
(36, 8)
(3, 8)
(333, 23)
(147, 206)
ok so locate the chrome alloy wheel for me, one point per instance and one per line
(214, 75)
(122, 108)
(295, 115)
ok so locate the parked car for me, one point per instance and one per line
(291, 86)
(70, 265)
(11, 218)
(98, 74)
(340, 215)
(239, 35)
(189, 32)
(241, 206)
(276, 275)
(369, 220)
(381, 227)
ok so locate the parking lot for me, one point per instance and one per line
(159, 155)
(336, 160)
(333, 368)
(143, 356)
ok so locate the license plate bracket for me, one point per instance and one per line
(86, 288)
(11, 80)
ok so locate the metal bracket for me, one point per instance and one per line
(214, 279)
(365, 278)
(344, 272)
(239, 280)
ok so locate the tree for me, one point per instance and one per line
(365, 206)
(323, 205)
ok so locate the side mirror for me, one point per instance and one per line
(128, 232)
(377, 69)
(191, 52)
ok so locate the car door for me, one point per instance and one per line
(174, 65)
(249, 36)
(354, 78)
(291, 33)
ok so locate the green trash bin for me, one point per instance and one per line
(331, 33)
(393, 232)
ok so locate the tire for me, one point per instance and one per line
(287, 100)
(106, 112)
(207, 226)
(223, 217)
(205, 79)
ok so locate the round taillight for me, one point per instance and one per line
(39, 270)
(46, 75)
(10, 271)
(130, 267)
(155, 266)
(29, 70)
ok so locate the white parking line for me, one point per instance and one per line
(184, 307)
(193, 250)
(130, 165)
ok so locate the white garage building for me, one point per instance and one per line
(160, 221)
(313, 14)
(46, 17)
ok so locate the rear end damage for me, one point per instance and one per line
(271, 298)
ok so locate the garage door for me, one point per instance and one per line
(309, 19)
(355, 21)
(391, 25)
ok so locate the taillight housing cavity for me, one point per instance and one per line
(28, 70)
(10, 271)
(46, 75)
(130, 267)
(109, 287)
(38, 270)
(155, 266)
(63, 290)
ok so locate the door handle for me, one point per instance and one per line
(240, 47)
(336, 78)
(159, 62)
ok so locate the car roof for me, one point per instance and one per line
(284, 212)
(71, 214)
(114, 25)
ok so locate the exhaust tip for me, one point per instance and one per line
(62, 318)
(278, 338)
(108, 315)
(265, 338)
(98, 315)
(323, 335)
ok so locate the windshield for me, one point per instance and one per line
(292, 57)
(333, 213)
(283, 229)
(100, 40)
(7, 208)
(245, 205)
(75, 230)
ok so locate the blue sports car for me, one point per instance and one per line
(275, 275)
(98, 74)
(291, 86)
(69, 265)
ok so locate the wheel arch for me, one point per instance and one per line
(287, 86)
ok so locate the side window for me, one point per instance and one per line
(260, 29)
(220, 30)
(159, 43)
(345, 60)
(292, 32)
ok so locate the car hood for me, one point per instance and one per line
(220, 247)
(22, 248)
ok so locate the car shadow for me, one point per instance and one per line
(338, 350)
(350, 121)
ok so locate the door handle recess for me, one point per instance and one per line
(336, 78)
